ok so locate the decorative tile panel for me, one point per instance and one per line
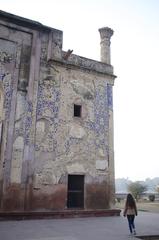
(101, 116)
(28, 123)
(110, 97)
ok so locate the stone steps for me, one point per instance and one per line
(26, 215)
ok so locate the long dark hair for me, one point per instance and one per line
(130, 202)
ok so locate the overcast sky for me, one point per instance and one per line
(135, 53)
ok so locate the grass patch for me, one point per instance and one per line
(142, 206)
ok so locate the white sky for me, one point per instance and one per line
(135, 52)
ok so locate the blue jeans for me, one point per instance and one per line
(131, 222)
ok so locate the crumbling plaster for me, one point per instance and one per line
(71, 137)
(42, 140)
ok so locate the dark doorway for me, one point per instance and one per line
(75, 195)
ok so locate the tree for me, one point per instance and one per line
(137, 188)
(152, 197)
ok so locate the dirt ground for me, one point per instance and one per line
(142, 206)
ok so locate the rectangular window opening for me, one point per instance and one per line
(77, 110)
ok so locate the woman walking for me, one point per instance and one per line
(130, 211)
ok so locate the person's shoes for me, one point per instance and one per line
(131, 235)
(134, 232)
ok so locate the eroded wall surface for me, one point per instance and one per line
(42, 142)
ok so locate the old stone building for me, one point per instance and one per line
(56, 121)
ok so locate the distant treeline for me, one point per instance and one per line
(122, 183)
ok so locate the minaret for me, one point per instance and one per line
(105, 57)
(105, 36)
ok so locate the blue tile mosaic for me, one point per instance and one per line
(99, 126)
(8, 90)
(101, 116)
(110, 97)
(28, 122)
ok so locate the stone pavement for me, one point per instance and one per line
(93, 228)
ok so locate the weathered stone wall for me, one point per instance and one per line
(66, 144)
(41, 140)
(15, 54)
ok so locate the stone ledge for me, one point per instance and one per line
(82, 63)
(25, 22)
(58, 214)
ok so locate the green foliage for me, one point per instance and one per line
(137, 188)
(152, 197)
(118, 199)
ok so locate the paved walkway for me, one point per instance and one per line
(99, 228)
